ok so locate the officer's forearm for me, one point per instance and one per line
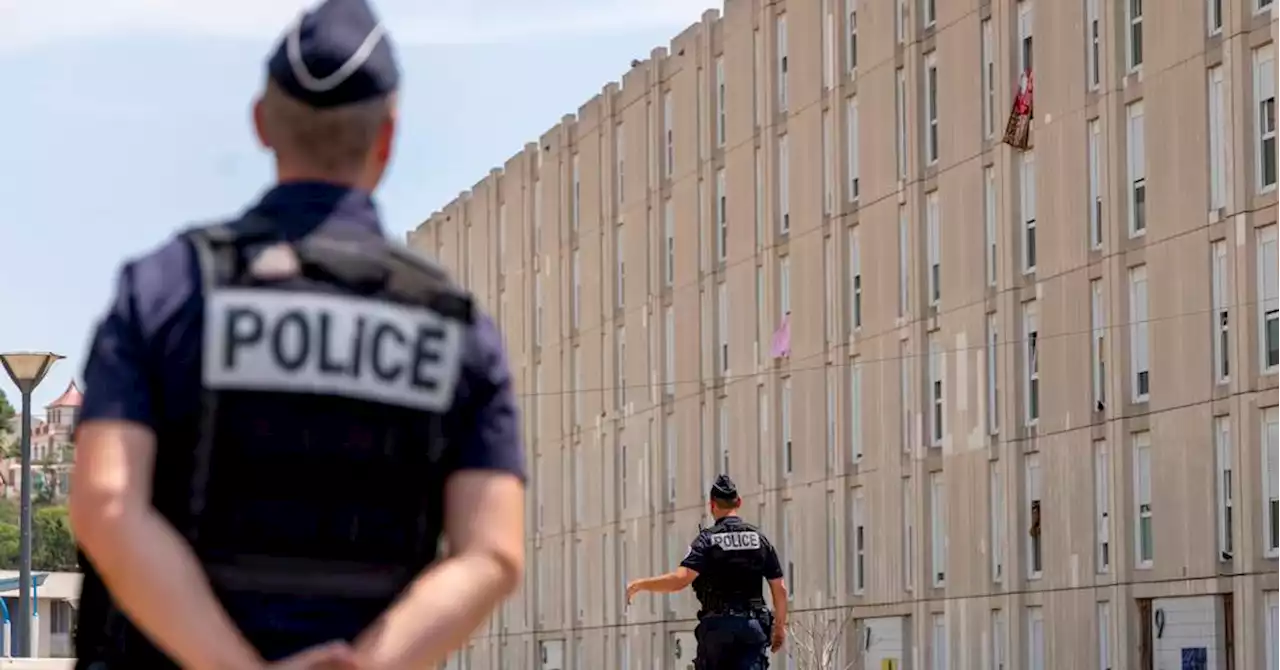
(440, 611)
(668, 583)
(778, 594)
(156, 579)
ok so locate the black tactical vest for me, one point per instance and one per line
(316, 468)
(737, 553)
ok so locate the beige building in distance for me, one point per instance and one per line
(1028, 416)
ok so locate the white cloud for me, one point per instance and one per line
(30, 23)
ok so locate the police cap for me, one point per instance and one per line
(336, 54)
(724, 489)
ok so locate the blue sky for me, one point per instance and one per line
(126, 120)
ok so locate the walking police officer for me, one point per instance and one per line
(286, 412)
(725, 564)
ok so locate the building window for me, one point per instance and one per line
(620, 163)
(757, 66)
(1214, 19)
(933, 230)
(989, 222)
(762, 315)
(575, 362)
(1031, 361)
(832, 534)
(722, 318)
(938, 528)
(669, 350)
(620, 368)
(574, 211)
(575, 309)
(763, 409)
(1142, 492)
(936, 409)
(669, 135)
(851, 44)
(1264, 94)
(931, 106)
(904, 390)
(1133, 41)
(1095, 184)
(900, 22)
(1221, 317)
(781, 29)
(786, 427)
(993, 375)
(988, 80)
(851, 130)
(669, 453)
(908, 535)
(784, 286)
(759, 182)
(1139, 343)
(722, 218)
(999, 640)
(1271, 442)
(830, 292)
(620, 271)
(537, 310)
(1218, 134)
(859, 542)
(1269, 299)
(1093, 66)
(1137, 170)
(720, 101)
(828, 45)
(1098, 344)
(784, 185)
(1035, 638)
(930, 12)
(855, 411)
(1273, 620)
(537, 216)
(788, 544)
(1028, 184)
(1262, 4)
(855, 280)
(1102, 506)
(995, 525)
(828, 168)
(1104, 636)
(938, 651)
(722, 436)
(832, 384)
(900, 121)
(904, 260)
(668, 243)
(1035, 541)
(1026, 25)
(1225, 486)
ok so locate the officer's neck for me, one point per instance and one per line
(721, 516)
(287, 173)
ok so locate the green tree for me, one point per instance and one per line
(6, 411)
(54, 548)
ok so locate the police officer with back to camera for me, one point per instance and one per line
(286, 412)
(726, 564)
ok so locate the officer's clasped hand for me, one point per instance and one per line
(778, 638)
(337, 655)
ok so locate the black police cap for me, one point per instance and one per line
(337, 54)
(724, 489)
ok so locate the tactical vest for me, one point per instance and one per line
(316, 467)
(734, 576)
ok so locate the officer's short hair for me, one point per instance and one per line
(332, 139)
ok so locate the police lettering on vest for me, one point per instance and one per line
(738, 541)
(268, 340)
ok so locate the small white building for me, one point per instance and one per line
(56, 599)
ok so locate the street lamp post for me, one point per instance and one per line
(27, 369)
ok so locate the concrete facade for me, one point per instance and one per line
(1029, 407)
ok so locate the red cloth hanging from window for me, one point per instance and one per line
(1018, 131)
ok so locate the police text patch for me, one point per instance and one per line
(739, 541)
(264, 340)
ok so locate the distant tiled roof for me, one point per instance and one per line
(72, 397)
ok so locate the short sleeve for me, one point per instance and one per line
(485, 414)
(772, 566)
(115, 374)
(698, 555)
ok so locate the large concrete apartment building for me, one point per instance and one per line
(1007, 407)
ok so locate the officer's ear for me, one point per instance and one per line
(385, 141)
(259, 126)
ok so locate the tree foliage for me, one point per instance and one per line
(817, 640)
(53, 547)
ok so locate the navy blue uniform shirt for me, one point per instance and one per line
(732, 557)
(150, 341)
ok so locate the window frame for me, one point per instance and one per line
(988, 79)
(1035, 508)
(1264, 78)
(852, 159)
(1139, 334)
(1094, 158)
(1143, 509)
(933, 243)
(1098, 342)
(938, 529)
(933, 139)
(1134, 44)
(1102, 507)
(937, 392)
(1221, 316)
(1224, 486)
(990, 224)
(1270, 435)
(1031, 362)
(1027, 210)
(1268, 248)
(1136, 182)
(722, 217)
